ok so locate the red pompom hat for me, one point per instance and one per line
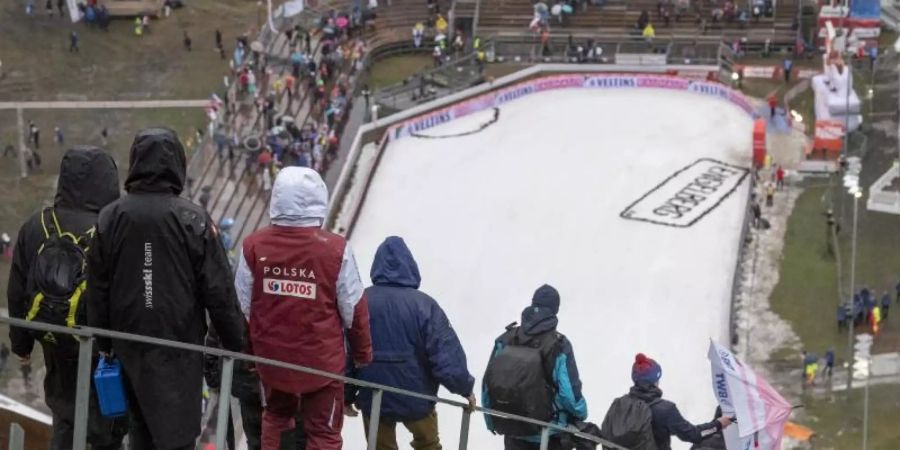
(645, 370)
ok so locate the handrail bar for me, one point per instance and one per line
(90, 332)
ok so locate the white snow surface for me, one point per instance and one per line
(535, 198)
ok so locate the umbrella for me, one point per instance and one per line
(761, 412)
(256, 46)
(342, 22)
(810, 358)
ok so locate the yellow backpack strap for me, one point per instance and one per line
(39, 297)
(35, 306)
(60, 231)
(44, 222)
(73, 304)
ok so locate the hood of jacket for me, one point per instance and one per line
(299, 195)
(646, 392)
(157, 162)
(394, 265)
(88, 179)
(538, 320)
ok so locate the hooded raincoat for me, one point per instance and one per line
(88, 181)
(157, 268)
(414, 344)
(300, 288)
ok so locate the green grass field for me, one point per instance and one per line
(806, 295)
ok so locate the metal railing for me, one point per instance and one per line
(86, 336)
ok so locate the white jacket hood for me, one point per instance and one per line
(299, 196)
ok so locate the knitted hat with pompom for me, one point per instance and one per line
(645, 370)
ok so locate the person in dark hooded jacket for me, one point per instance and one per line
(415, 348)
(666, 419)
(569, 403)
(157, 268)
(88, 181)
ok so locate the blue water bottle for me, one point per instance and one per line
(110, 391)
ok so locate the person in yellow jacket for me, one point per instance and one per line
(876, 319)
(441, 24)
(811, 370)
(649, 32)
(138, 26)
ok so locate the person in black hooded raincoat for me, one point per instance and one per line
(88, 181)
(157, 268)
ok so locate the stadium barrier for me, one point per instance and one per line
(86, 336)
(589, 81)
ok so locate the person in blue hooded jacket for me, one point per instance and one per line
(569, 406)
(415, 348)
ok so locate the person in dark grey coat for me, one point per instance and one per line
(88, 181)
(157, 268)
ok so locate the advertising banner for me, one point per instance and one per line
(568, 81)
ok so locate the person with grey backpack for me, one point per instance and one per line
(643, 420)
(532, 373)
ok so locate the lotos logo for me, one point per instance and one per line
(290, 288)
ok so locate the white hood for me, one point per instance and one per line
(299, 198)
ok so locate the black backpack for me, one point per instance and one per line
(58, 274)
(629, 423)
(517, 382)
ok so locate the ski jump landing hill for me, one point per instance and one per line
(627, 192)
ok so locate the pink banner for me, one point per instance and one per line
(567, 81)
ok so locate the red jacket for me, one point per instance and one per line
(294, 308)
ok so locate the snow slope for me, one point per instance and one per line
(536, 198)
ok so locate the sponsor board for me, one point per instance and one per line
(688, 195)
(695, 74)
(663, 83)
(711, 89)
(507, 95)
(599, 81)
(758, 71)
(558, 82)
(610, 81)
(289, 288)
(833, 12)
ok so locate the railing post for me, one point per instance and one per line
(464, 430)
(545, 438)
(374, 417)
(82, 392)
(16, 437)
(224, 402)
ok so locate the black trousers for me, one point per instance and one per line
(139, 437)
(61, 361)
(64, 433)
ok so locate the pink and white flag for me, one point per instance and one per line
(760, 410)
